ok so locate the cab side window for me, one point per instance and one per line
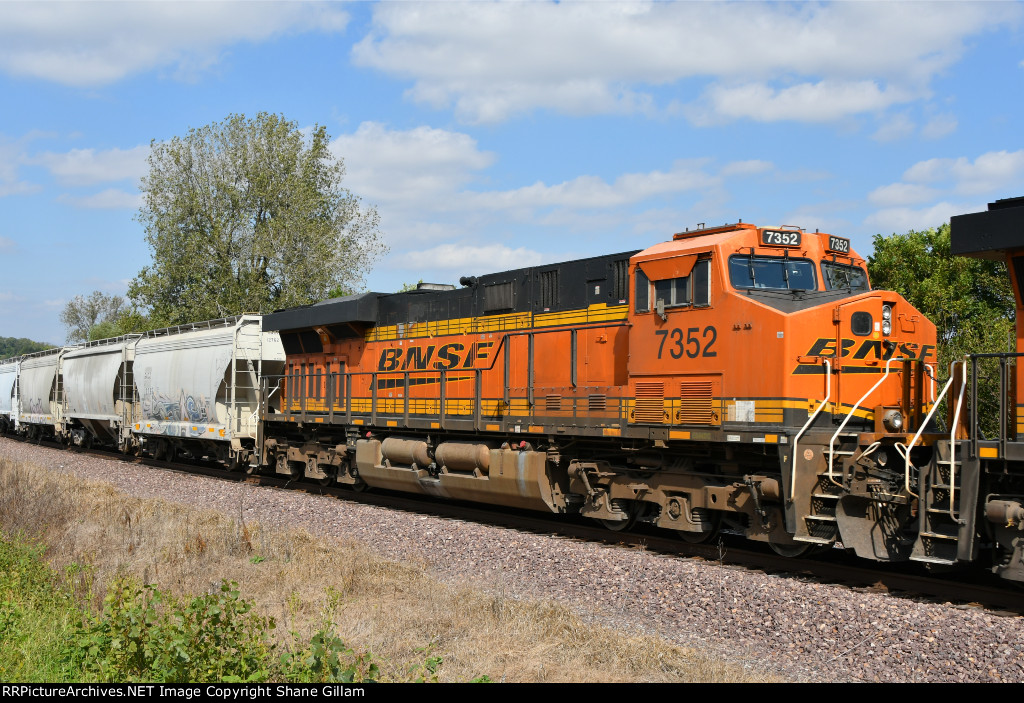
(643, 292)
(672, 292)
(701, 283)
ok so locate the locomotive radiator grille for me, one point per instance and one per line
(650, 402)
(695, 401)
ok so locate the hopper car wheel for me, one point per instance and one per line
(792, 551)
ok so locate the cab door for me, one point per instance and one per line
(674, 366)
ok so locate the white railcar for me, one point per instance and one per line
(40, 393)
(198, 387)
(99, 392)
(9, 394)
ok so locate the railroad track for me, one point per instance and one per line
(966, 588)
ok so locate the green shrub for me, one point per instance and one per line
(144, 634)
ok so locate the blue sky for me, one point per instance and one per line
(497, 135)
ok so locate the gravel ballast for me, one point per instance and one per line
(799, 630)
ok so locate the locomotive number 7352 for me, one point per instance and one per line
(692, 347)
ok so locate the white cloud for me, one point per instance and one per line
(992, 171)
(901, 194)
(750, 167)
(807, 62)
(109, 199)
(824, 101)
(468, 259)
(902, 219)
(80, 167)
(410, 165)
(939, 126)
(7, 244)
(898, 126)
(431, 175)
(12, 155)
(97, 43)
(952, 186)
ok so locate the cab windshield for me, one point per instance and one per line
(839, 276)
(772, 272)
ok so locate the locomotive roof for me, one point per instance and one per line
(989, 234)
(551, 287)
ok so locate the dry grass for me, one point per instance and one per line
(395, 610)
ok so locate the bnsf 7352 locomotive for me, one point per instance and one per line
(737, 377)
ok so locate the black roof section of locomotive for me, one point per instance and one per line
(568, 285)
(989, 234)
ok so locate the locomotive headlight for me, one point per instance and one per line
(886, 327)
(886, 312)
(893, 420)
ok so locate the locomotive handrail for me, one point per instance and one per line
(796, 440)
(853, 409)
(920, 431)
(952, 435)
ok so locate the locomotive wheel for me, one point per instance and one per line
(618, 525)
(792, 551)
(632, 512)
(698, 537)
(714, 522)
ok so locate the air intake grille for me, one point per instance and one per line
(650, 402)
(553, 402)
(597, 402)
(695, 401)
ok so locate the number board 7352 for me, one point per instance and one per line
(780, 238)
(840, 245)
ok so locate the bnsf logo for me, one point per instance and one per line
(449, 356)
(868, 349)
(872, 348)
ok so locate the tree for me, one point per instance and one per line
(249, 215)
(83, 313)
(11, 346)
(969, 300)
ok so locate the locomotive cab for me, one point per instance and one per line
(752, 337)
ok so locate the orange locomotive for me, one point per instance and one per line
(734, 377)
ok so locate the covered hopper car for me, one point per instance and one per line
(190, 390)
